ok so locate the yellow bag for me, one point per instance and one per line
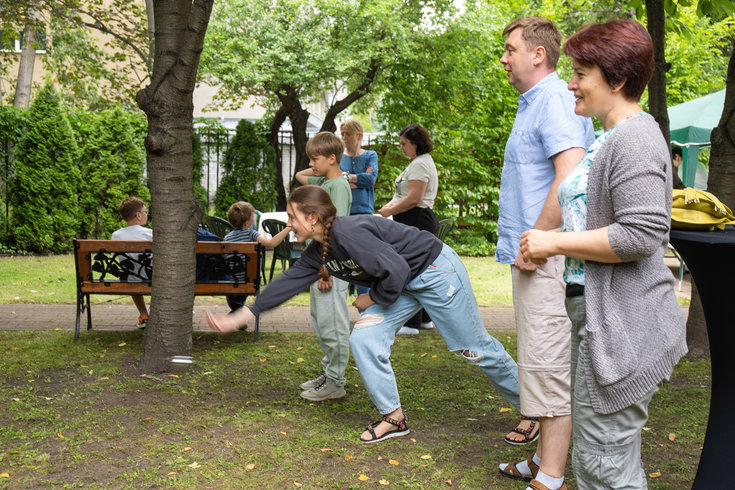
(693, 209)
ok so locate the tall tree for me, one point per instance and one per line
(297, 52)
(180, 26)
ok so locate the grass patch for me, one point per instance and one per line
(81, 414)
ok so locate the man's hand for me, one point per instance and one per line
(324, 285)
(363, 301)
(524, 265)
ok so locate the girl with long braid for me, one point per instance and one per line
(406, 269)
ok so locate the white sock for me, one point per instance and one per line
(550, 482)
(536, 459)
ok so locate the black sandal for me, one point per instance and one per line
(401, 429)
(525, 433)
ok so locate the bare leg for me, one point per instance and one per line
(553, 445)
(139, 301)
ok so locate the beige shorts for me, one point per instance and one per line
(544, 340)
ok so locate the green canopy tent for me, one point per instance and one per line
(690, 124)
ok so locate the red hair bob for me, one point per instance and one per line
(621, 48)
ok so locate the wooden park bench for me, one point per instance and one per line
(122, 267)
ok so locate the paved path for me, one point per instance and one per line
(123, 317)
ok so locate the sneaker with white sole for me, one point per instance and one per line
(313, 383)
(407, 331)
(328, 390)
(427, 325)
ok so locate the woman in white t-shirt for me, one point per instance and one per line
(416, 189)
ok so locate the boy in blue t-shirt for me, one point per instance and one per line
(241, 216)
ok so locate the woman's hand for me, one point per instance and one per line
(363, 301)
(385, 211)
(537, 245)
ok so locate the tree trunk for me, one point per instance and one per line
(275, 127)
(24, 83)
(657, 86)
(180, 26)
(721, 183)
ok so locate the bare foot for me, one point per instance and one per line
(221, 323)
(528, 428)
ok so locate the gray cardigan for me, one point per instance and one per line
(635, 332)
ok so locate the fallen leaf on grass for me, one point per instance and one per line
(195, 465)
(281, 414)
(672, 436)
(326, 450)
(149, 418)
(505, 409)
(250, 466)
(646, 428)
(384, 482)
(434, 356)
(299, 348)
(173, 375)
(4, 475)
(655, 475)
(229, 444)
(300, 359)
(271, 346)
(283, 433)
(470, 418)
(380, 458)
(297, 484)
(413, 440)
(186, 449)
(262, 359)
(348, 457)
(203, 426)
(426, 456)
(208, 372)
(171, 473)
(104, 378)
(424, 354)
(448, 482)
(60, 435)
(363, 478)
(393, 462)
(122, 344)
(16, 399)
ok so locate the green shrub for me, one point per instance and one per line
(112, 163)
(12, 122)
(44, 200)
(249, 173)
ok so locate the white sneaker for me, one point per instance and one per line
(427, 325)
(313, 383)
(327, 390)
(407, 331)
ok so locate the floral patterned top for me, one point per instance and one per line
(572, 196)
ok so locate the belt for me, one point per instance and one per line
(574, 290)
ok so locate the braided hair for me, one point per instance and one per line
(313, 200)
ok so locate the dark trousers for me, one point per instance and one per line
(423, 219)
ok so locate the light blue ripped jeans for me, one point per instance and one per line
(444, 290)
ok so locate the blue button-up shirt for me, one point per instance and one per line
(545, 125)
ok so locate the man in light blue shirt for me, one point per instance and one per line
(546, 142)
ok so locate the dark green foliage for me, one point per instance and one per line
(458, 91)
(197, 156)
(47, 179)
(12, 121)
(249, 173)
(112, 160)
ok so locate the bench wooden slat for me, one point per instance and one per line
(89, 282)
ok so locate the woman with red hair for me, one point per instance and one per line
(629, 331)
